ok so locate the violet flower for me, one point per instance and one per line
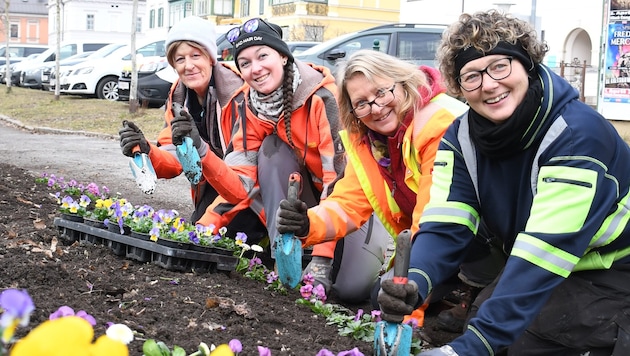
(17, 306)
(325, 352)
(65, 310)
(359, 314)
(376, 315)
(271, 277)
(353, 352)
(263, 351)
(235, 345)
(306, 291)
(308, 278)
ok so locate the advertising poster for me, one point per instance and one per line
(615, 98)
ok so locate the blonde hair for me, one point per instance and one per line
(373, 65)
(172, 48)
(483, 31)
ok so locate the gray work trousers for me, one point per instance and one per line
(361, 253)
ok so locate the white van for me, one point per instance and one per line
(28, 73)
(18, 51)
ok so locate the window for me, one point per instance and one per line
(365, 42)
(90, 22)
(418, 47)
(152, 19)
(244, 8)
(139, 24)
(160, 17)
(223, 7)
(15, 31)
(202, 8)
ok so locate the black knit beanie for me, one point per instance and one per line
(265, 34)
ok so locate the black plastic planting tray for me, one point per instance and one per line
(171, 258)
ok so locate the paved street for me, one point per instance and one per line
(86, 159)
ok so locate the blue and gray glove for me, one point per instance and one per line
(442, 351)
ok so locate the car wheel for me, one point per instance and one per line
(107, 88)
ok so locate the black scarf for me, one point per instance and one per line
(515, 133)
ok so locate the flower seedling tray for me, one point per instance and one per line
(171, 258)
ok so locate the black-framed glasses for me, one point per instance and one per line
(497, 70)
(248, 27)
(383, 97)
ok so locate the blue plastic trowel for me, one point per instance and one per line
(288, 248)
(187, 153)
(142, 169)
(394, 339)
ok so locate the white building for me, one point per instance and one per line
(572, 29)
(93, 20)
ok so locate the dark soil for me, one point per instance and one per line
(174, 307)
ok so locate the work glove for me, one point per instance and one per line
(292, 218)
(130, 137)
(445, 350)
(397, 300)
(183, 125)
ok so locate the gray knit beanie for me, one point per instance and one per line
(194, 29)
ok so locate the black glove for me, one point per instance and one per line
(130, 137)
(397, 300)
(183, 125)
(292, 218)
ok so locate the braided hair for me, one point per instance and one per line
(287, 90)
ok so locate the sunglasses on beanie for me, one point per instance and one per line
(248, 27)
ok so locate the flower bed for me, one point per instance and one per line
(213, 307)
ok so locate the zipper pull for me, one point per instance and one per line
(393, 188)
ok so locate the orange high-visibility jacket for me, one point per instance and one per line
(314, 131)
(225, 91)
(363, 190)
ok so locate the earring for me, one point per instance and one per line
(284, 63)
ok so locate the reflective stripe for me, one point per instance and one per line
(425, 276)
(551, 135)
(354, 159)
(482, 339)
(544, 255)
(614, 224)
(469, 153)
(451, 212)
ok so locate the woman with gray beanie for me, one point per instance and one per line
(204, 90)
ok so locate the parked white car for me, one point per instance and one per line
(97, 77)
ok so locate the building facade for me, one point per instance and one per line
(93, 20)
(28, 22)
(573, 30)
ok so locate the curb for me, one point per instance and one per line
(51, 131)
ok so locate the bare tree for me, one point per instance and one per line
(133, 87)
(7, 32)
(58, 49)
(308, 31)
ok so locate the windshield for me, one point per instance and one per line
(106, 50)
(324, 45)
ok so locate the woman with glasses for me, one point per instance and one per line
(204, 90)
(394, 115)
(549, 175)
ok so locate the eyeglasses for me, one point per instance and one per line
(248, 27)
(497, 70)
(383, 97)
